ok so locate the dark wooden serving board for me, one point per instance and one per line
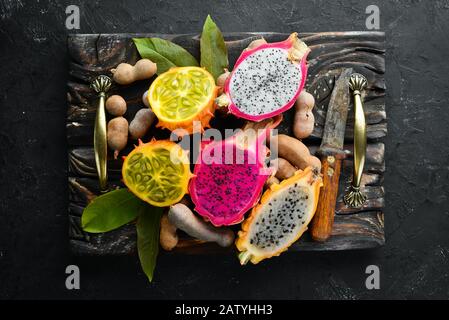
(94, 54)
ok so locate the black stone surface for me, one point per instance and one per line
(33, 159)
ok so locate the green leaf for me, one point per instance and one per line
(164, 53)
(214, 54)
(111, 210)
(148, 239)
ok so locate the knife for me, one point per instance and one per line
(331, 153)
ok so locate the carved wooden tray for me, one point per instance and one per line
(94, 54)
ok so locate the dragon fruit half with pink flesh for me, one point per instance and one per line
(229, 177)
(266, 80)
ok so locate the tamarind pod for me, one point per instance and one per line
(285, 169)
(168, 237)
(183, 218)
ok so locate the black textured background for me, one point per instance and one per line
(33, 162)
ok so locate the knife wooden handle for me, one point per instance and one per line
(321, 226)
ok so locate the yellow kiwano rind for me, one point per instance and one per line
(181, 96)
(157, 172)
(249, 253)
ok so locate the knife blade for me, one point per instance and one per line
(331, 154)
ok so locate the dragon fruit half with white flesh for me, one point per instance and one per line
(266, 80)
(281, 218)
(229, 177)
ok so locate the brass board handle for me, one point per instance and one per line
(354, 197)
(101, 85)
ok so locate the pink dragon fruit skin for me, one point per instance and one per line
(223, 189)
(292, 75)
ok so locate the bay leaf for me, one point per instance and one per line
(148, 225)
(111, 211)
(164, 53)
(214, 54)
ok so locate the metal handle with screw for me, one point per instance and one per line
(101, 85)
(354, 197)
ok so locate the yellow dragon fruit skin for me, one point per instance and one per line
(248, 252)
